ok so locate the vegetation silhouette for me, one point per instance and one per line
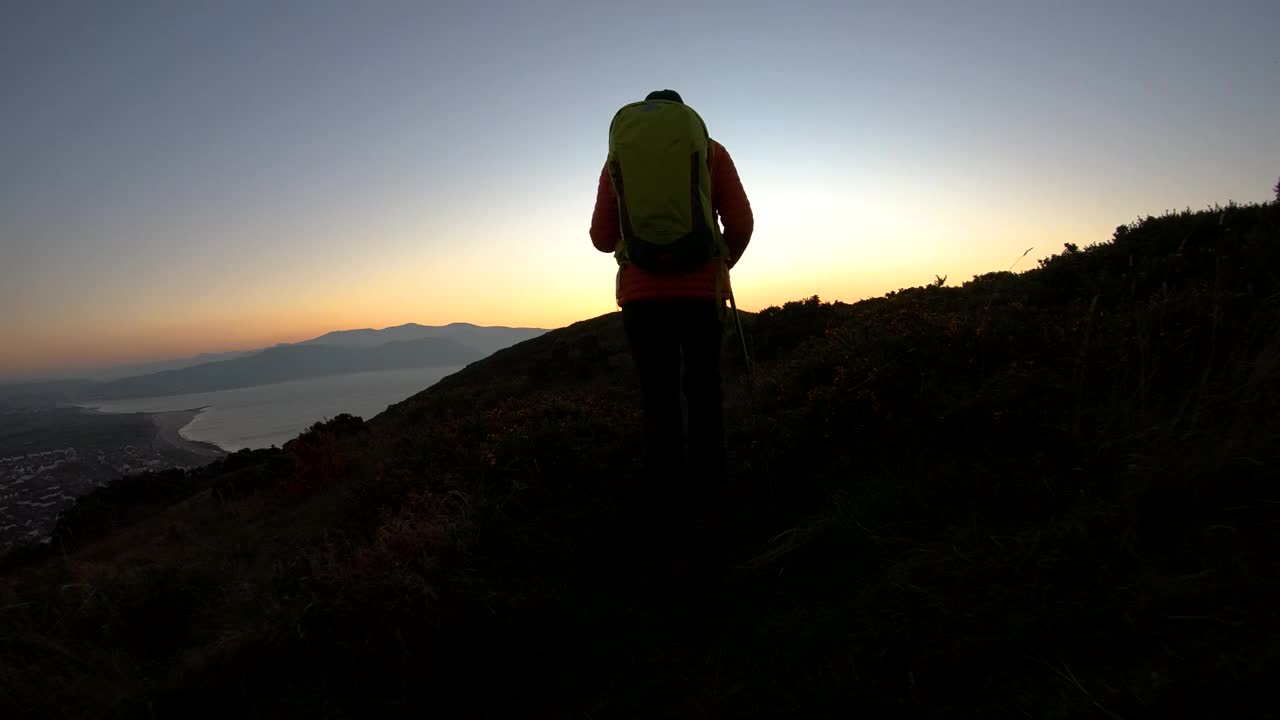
(1049, 493)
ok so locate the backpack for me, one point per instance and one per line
(660, 165)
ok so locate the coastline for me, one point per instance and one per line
(169, 427)
(73, 457)
(267, 415)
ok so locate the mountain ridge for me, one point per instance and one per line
(290, 362)
(484, 338)
(189, 375)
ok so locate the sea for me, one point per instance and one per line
(266, 415)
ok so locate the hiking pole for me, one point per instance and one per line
(746, 356)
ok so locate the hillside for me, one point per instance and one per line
(1050, 494)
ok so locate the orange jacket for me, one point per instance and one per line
(728, 202)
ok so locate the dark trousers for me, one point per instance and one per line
(684, 470)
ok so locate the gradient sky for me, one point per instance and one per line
(183, 177)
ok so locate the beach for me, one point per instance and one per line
(265, 415)
(169, 427)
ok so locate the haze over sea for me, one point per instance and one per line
(266, 415)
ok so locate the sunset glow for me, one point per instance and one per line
(177, 185)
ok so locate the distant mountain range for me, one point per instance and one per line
(290, 362)
(486, 339)
(121, 371)
(335, 353)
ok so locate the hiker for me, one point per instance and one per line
(676, 186)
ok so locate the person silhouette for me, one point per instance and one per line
(672, 301)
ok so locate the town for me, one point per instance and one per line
(50, 458)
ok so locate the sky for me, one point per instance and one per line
(183, 177)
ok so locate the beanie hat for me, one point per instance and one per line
(671, 95)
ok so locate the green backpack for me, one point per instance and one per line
(659, 162)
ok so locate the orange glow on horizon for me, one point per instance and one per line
(569, 282)
(153, 342)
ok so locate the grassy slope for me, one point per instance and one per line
(1050, 494)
